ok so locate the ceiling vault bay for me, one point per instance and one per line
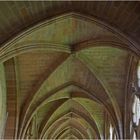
(64, 73)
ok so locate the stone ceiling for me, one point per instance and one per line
(67, 66)
(18, 16)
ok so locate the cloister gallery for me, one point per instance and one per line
(70, 70)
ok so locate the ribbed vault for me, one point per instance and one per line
(63, 76)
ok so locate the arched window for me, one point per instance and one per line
(131, 126)
(115, 137)
(138, 75)
(136, 110)
(134, 136)
(111, 132)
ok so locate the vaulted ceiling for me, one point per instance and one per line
(67, 66)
